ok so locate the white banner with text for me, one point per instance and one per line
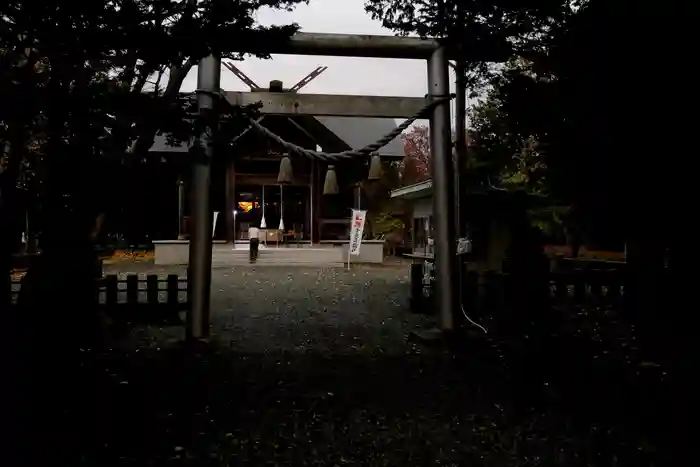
(357, 227)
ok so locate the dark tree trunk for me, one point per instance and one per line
(9, 235)
(9, 216)
(647, 297)
(57, 295)
(645, 289)
(527, 325)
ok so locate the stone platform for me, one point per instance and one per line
(324, 254)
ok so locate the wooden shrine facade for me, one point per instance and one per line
(245, 187)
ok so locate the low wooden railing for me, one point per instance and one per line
(492, 290)
(138, 294)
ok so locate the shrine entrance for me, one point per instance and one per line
(265, 206)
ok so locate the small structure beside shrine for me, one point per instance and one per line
(420, 198)
(491, 216)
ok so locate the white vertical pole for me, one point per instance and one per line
(180, 208)
(352, 215)
(311, 200)
(281, 207)
(281, 226)
(263, 221)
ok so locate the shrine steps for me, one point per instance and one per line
(278, 256)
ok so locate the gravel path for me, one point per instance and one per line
(329, 311)
(301, 310)
(311, 367)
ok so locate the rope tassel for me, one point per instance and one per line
(375, 168)
(330, 185)
(286, 173)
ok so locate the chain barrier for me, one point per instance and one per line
(365, 151)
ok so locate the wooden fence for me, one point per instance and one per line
(603, 288)
(566, 289)
(491, 290)
(140, 296)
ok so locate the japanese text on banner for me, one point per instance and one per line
(357, 228)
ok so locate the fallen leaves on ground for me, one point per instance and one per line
(18, 274)
(132, 255)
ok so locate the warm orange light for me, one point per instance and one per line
(247, 206)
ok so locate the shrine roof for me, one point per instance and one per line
(359, 132)
(415, 191)
(424, 189)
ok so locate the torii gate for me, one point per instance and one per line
(339, 45)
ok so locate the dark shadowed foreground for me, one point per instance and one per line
(307, 367)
